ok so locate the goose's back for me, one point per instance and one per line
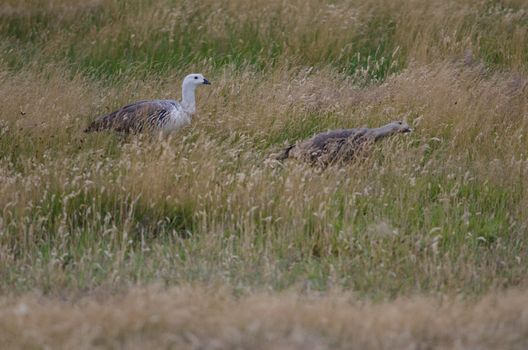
(142, 114)
(327, 147)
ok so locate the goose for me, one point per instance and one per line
(341, 145)
(165, 115)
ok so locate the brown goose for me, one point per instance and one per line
(166, 115)
(339, 146)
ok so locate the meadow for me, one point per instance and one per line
(201, 240)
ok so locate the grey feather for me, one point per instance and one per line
(339, 146)
(136, 117)
(166, 115)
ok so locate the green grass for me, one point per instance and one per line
(111, 40)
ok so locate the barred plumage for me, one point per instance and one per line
(339, 146)
(167, 115)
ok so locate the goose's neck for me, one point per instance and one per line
(379, 133)
(188, 99)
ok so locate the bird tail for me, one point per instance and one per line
(100, 123)
(91, 128)
(96, 125)
(284, 153)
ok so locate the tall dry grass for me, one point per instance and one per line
(442, 209)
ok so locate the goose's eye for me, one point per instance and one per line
(195, 77)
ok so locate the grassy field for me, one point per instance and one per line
(199, 241)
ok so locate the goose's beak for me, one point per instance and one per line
(206, 82)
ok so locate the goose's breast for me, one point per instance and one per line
(177, 119)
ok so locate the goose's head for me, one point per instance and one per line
(195, 79)
(398, 127)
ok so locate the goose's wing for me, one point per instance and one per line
(325, 147)
(135, 117)
(321, 141)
